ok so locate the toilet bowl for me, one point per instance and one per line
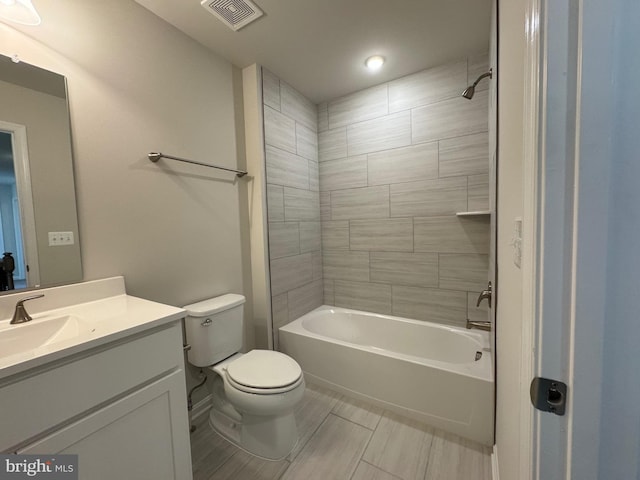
(253, 394)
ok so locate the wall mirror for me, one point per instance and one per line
(39, 242)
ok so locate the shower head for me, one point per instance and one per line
(471, 89)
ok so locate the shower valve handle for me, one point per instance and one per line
(485, 294)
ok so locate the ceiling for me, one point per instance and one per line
(319, 46)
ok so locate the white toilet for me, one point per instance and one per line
(253, 393)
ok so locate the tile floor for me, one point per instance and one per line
(342, 438)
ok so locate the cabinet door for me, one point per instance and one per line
(143, 436)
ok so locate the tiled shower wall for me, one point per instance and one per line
(396, 162)
(293, 208)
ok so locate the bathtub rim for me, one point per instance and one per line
(480, 370)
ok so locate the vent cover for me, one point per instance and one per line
(234, 13)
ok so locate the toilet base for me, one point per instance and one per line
(270, 438)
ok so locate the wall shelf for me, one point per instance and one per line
(473, 214)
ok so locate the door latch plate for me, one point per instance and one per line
(548, 395)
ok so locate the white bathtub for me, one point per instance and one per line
(423, 370)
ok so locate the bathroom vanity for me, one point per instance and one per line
(100, 374)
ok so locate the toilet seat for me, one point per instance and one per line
(263, 372)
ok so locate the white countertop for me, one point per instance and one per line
(103, 319)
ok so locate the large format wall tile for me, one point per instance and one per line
(450, 118)
(451, 234)
(323, 117)
(365, 296)
(280, 309)
(284, 239)
(270, 89)
(275, 203)
(314, 176)
(325, 206)
(360, 203)
(343, 173)
(285, 168)
(428, 86)
(306, 143)
(390, 235)
(345, 265)
(332, 144)
(478, 65)
(335, 235)
(279, 130)
(468, 155)
(359, 106)
(478, 193)
(296, 106)
(430, 197)
(316, 264)
(467, 272)
(301, 205)
(430, 304)
(290, 272)
(479, 313)
(407, 164)
(303, 299)
(310, 240)
(383, 133)
(329, 292)
(418, 269)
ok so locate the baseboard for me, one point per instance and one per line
(494, 463)
(201, 408)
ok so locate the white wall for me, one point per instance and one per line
(175, 231)
(510, 205)
(136, 85)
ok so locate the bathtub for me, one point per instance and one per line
(438, 374)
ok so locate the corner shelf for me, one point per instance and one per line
(473, 214)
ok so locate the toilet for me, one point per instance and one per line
(253, 394)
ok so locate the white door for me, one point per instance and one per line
(577, 129)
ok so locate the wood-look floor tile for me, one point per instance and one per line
(245, 466)
(359, 412)
(400, 446)
(209, 452)
(455, 458)
(332, 453)
(369, 472)
(316, 404)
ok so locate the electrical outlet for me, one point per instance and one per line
(57, 239)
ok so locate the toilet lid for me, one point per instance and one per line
(264, 369)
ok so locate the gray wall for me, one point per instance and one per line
(397, 161)
(293, 204)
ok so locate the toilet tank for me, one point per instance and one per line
(214, 329)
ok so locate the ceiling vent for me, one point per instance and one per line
(234, 13)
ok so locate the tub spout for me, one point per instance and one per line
(479, 325)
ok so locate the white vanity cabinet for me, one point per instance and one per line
(120, 406)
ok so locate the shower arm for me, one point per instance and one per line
(484, 75)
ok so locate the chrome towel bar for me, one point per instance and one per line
(155, 156)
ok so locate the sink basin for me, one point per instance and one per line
(28, 336)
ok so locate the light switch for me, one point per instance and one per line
(57, 239)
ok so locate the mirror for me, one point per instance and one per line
(38, 218)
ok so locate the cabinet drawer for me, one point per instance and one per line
(41, 400)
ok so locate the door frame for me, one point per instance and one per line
(568, 42)
(20, 148)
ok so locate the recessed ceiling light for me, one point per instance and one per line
(374, 63)
(19, 11)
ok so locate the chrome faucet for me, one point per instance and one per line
(20, 315)
(479, 325)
